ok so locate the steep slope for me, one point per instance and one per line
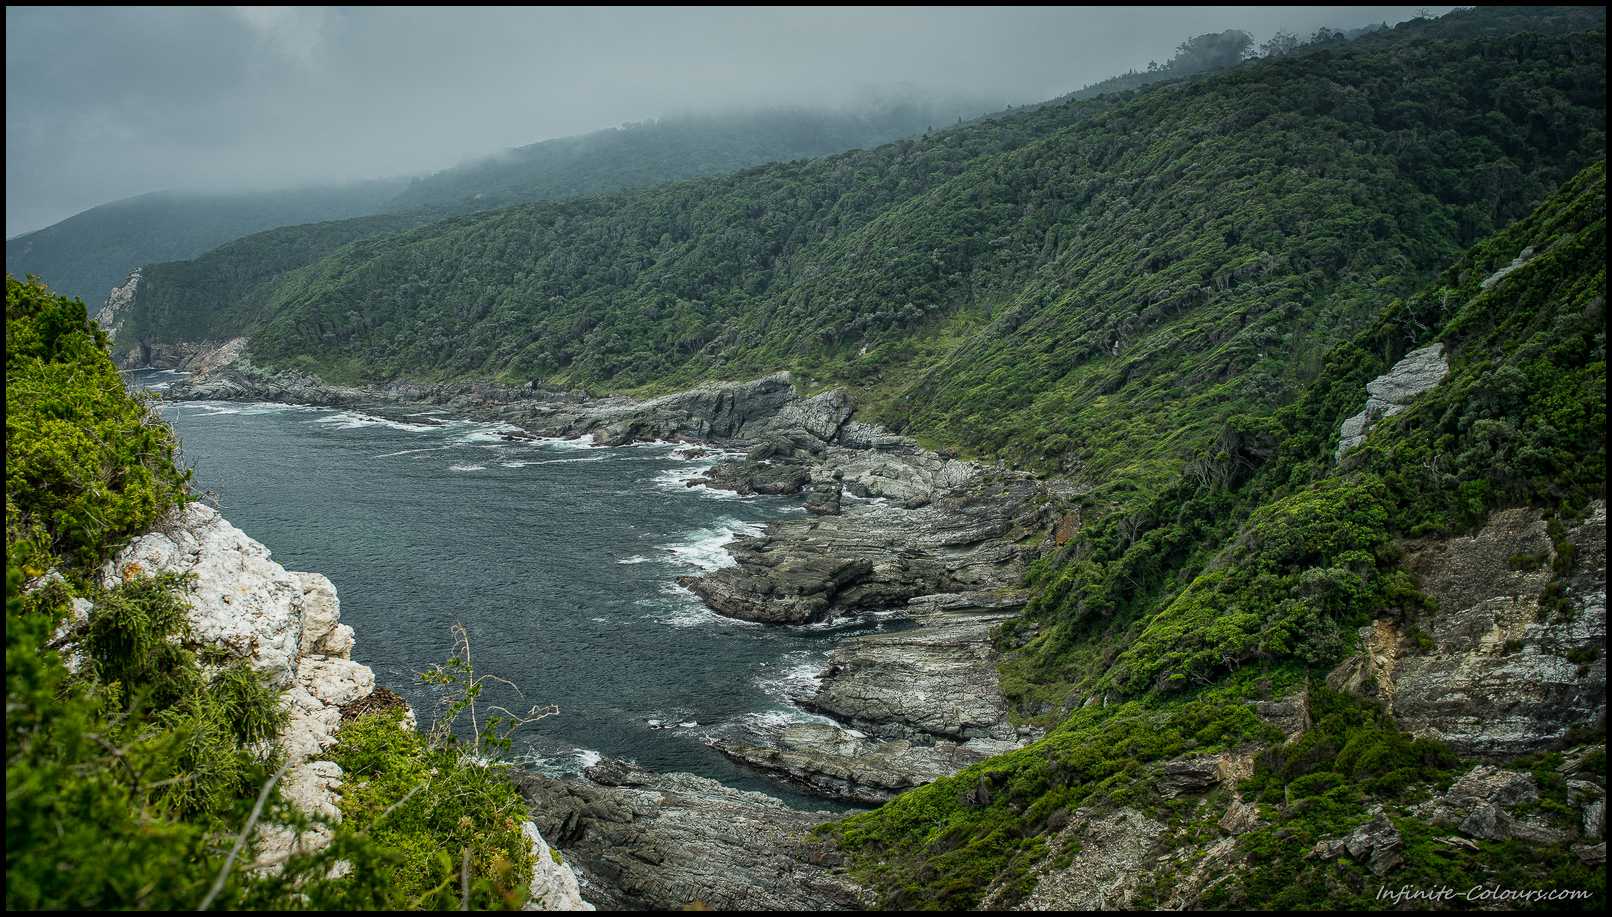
(1041, 287)
(1211, 746)
(88, 254)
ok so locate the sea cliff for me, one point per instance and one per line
(287, 625)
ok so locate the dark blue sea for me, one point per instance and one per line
(558, 557)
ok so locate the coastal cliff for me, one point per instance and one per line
(287, 625)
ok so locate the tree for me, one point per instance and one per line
(1281, 44)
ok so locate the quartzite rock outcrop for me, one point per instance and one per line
(1517, 652)
(287, 625)
(1391, 392)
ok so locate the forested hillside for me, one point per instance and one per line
(1232, 587)
(88, 254)
(671, 148)
(1094, 287)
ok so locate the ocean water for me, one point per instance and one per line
(559, 558)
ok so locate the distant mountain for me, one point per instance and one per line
(671, 148)
(89, 254)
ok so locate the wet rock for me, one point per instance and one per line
(793, 591)
(756, 477)
(641, 840)
(938, 680)
(960, 542)
(825, 500)
(830, 761)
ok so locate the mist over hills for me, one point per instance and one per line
(1029, 287)
(88, 254)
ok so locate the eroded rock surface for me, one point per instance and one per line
(641, 840)
(1498, 680)
(1391, 392)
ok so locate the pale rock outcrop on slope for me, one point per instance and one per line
(1496, 679)
(1391, 392)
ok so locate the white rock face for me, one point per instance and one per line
(242, 600)
(1392, 392)
(119, 297)
(554, 886)
(289, 626)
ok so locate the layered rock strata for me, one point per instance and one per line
(642, 840)
(1514, 655)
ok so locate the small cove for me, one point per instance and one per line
(560, 559)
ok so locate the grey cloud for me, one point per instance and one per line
(107, 103)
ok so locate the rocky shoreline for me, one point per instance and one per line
(892, 527)
(287, 625)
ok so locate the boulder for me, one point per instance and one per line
(1183, 776)
(640, 840)
(1378, 844)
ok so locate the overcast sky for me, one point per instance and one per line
(103, 104)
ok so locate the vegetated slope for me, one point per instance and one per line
(135, 755)
(87, 255)
(1094, 287)
(218, 294)
(672, 148)
(1238, 584)
(217, 298)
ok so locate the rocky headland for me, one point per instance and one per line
(287, 625)
(641, 840)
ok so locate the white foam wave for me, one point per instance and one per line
(467, 467)
(637, 559)
(353, 420)
(677, 480)
(681, 608)
(591, 458)
(490, 433)
(411, 451)
(704, 548)
(880, 618)
(580, 442)
(795, 673)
